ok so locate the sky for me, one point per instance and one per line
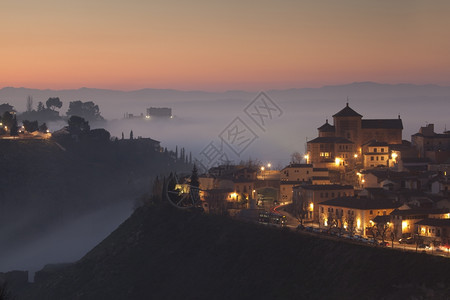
(222, 45)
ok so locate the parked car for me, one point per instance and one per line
(373, 242)
(309, 228)
(384, 244)
(423, 246)
(300, 227)
(408, 240)
(357, 237)
(316, 230)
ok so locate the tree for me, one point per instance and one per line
(122, 135)
(30, 126)
(87, 110)
(40, 106)
(296, 158)
(29, 103)
(216, 200)
(299, 211)
(5, 294)
(195, 183)
(78, 125)
(43, 127)
(99, 135)
(157, 190)
(194, 177)
(350, 220)
(53, 103)
(14, 131)
(131, 134)
(7, 119)
(331, 220)
(380, 229)
(5, 107)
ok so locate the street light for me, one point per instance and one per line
(269, 165)
(262, 171)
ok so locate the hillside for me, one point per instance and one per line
(44, 186)
(164, 253)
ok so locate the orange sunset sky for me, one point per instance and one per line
(221, 45)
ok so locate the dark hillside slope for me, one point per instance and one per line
(43, 185)
(164, 253)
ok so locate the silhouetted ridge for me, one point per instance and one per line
(164, 253)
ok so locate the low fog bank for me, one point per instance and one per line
(201, 116)
(68, 241)
(197, 123)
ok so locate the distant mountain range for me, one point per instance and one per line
(113, 103)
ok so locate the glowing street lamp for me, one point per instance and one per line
(394, 156)
(306, 158)
(269, 165)
(337, 161)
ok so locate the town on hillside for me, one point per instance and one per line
(359, 179)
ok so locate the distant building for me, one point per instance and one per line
(133, 116)
(404, 219)
(295, 174)
(433, 229)
(431, 145)
(376, 154)
(159, 112)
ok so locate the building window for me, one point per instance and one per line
(381, 149)
(371, 158)
(371, 212)
(382, 158)
(332, 194)
(375, 150)
(321, 195)
(321, 209)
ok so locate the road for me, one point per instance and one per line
(292, 223)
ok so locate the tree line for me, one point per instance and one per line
(36, 119)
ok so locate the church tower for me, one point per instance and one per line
(347, 123)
